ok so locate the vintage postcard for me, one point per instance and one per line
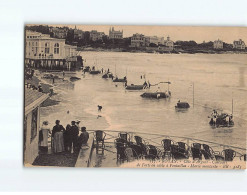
(135, 96)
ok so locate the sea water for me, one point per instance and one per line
(217, 79)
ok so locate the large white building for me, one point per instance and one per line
(239, 44)
(138, 40)
(114, 34)
(42, 51)
(154, 39)
(218, 44)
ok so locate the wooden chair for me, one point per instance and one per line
(228, 154)
(99, 138)
(196, 151)
(167, 143)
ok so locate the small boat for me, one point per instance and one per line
(123, 80)
(107, 75)
(156, 95)
(222, 120)
(50, 76)
(182, 105)
(94, 72)
(134, 87)
(74, 79)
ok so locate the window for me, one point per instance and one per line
(47, 49)
(56, 48)
(34, 123)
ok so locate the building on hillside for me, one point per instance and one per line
(78, 34)
(44, 52)
(154, 39)
(169, 44)
(95, 35)
(218, 44)
(137, 40)
(239, 44)
(114, 34)
(33, 100)
(60, 33)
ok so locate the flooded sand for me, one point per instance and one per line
(217, 79)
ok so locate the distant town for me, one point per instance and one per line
(114, 41)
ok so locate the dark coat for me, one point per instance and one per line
(57, 128)
(74, 131)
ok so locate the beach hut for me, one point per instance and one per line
(33, 100)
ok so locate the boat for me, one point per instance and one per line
(222, 120)
(74, 79)
(49, 76)
(156, 95)
(134, 87)
(123, 80)
(182, 105)
(95, 72)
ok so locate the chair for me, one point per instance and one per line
(124, 136)
(138, 140)
(152, 152)
(209, 153)
(120, 145)
(180, 151)
(138, 150)
(167, 143)
(228, 154)
(99, 138)
(196, 145)
(196, 151)
(243, 156)
(183, 148)
(130, 154)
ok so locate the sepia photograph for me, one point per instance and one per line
(129, 96)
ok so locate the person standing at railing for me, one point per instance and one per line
(57, 136)
(74, 135)
(83, 138)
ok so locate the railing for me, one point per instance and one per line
(155, 139)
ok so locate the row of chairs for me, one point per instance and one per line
(171, 149)
(181, 150)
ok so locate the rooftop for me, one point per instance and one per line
(33, 98)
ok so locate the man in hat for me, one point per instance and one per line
(74, 134)
(77, 123)
(83, 137)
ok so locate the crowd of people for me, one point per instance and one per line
(63, 139)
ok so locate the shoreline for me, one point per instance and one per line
(154, 51)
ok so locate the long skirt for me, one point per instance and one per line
(58, 144)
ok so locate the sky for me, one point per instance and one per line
(184, 33)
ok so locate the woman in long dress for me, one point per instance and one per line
(43, 137)
(57, 135)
